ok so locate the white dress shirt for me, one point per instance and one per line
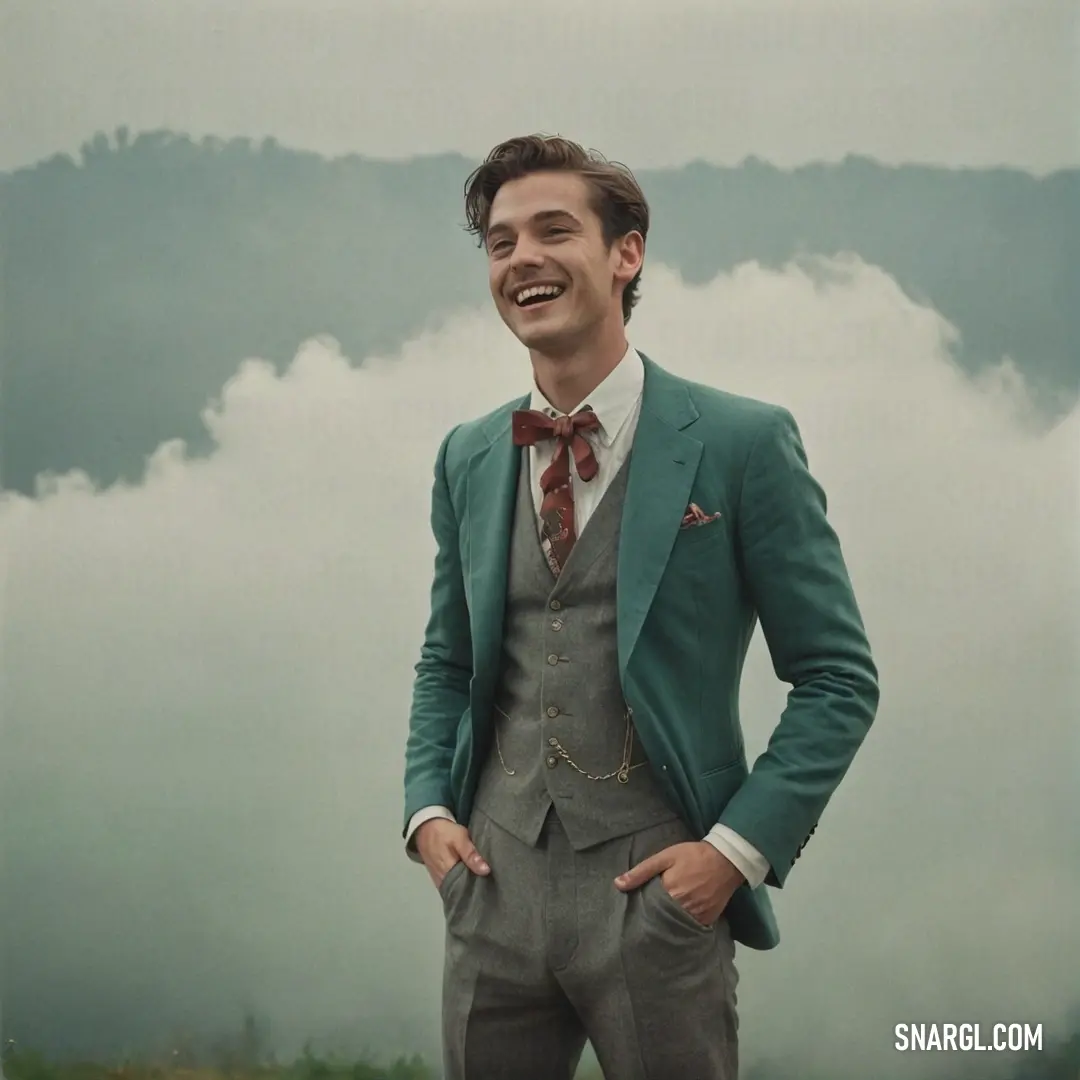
(617, 404)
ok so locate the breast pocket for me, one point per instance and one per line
(698, 534)
(701, 563)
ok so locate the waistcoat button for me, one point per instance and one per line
(553, 710)
(552, 761)
(555, 605)
(553, 659)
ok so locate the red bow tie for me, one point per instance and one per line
(530, 426)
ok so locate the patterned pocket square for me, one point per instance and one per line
(696, 516)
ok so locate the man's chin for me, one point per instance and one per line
(548, 341)
(539, 337)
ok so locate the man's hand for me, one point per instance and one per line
(442, 844)
(695, 874)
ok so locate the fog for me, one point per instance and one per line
(208, 674)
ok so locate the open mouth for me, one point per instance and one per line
(540, 296)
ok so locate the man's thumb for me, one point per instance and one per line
(638, 875)
(473, 859)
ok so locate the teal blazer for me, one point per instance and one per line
(687, 605)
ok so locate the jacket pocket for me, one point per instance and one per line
(697, 535)
(735, 763)
(718, 785)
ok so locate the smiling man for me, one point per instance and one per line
(575, 777)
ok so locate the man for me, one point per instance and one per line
(576, 782)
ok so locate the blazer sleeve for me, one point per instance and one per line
(799, 585)
(441, 686)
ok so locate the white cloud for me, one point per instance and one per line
(208, 679)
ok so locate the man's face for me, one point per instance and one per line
(542, 231)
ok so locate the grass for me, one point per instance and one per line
(229, 1064)
(243, 1058)
(32, 1065)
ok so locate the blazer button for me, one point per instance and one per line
(553, 659)
(553, 711)
(552, 761)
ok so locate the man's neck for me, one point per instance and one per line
(567, 381)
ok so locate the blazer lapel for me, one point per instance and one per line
(663, 464)
(491, 492)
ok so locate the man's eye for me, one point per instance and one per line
(499, 244)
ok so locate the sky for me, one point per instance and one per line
(954, 82)
(208, 678)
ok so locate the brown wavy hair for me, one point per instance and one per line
(615, 196)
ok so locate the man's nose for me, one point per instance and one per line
(525, 253)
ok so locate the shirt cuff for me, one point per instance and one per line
(428, 813)
(740, 853)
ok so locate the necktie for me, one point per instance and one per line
(557, 507)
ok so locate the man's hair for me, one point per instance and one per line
(615, 196)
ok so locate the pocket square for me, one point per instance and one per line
(696, 516)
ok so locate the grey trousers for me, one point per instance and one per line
(547, 952)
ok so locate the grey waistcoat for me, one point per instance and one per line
(559, 686)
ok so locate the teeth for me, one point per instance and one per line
(538, 290)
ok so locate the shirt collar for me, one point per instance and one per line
(612, 401)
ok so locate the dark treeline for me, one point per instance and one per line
(137, 278)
